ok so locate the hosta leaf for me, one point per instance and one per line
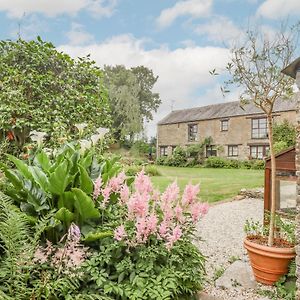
(39, 177)
(43, 161)
(59, 179)
(21, 166)
(95, 236)
(84, 205)
(64, 215)
(86, 183)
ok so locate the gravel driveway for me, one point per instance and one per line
(222, 233)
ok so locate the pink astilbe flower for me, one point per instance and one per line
(179, 213)
(163, 229)
(171, 193)
(97, 187)
(143, 183)
(74, 233)
(116, 183)
(120, 233)
(152, 223)
(141, 230)
(198, 210)
(106, 192)
(174, 237)
(124, 194)
(190, 194)
(138, 205)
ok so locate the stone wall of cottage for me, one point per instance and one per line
(298, 191)
(239, 133)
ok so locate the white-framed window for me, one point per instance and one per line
(163, 150)
(192, 132)
(233, 150)
(259, 128)
(259, 151)
(224, 125)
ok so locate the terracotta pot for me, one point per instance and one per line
(268, 263)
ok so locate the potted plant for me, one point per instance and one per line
(255, 68)
(269, 263)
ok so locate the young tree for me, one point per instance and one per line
(45, 90)
(255, 67)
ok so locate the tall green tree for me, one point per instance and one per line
(123, 90)
(148, 100)
(43, 89)
(131, 98)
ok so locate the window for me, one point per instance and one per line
(173, 148)
(233, 150)
(163, 150)
(259, 151)
(224, 125)
(193, 130)
(259, 128)
(211, 151)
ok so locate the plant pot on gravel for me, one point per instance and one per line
(269, 263)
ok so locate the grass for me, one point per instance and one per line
(215, 184)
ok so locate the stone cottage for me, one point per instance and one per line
(236, 131)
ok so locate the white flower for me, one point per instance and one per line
(85, 144)
(37, 136)
(81, 127)
(101, 132)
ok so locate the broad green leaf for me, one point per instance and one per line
(21, 166)
(13, 178)
(86, 183)
(59, 179)
(95, 236)
(66, 200)
(85, 205)
(43, 161)
(64, 215)
(39, 177)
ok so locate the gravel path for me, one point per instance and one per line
(222, 233)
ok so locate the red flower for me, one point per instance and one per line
(10, 136)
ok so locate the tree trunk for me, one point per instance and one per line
(273, 182)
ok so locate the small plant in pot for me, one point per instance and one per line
(269, 263)
(255, 68)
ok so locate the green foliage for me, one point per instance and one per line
(131, 98)
(284, 135)
(146, 272)
(150, 170)
(285, 228)
(63, 184)
(45, 90)
(220, 162)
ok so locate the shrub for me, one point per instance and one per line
(149, 170)
(161, 161)
(115, 239)
(215, 162)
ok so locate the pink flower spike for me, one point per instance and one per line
(152, 223)
(97, 187)
(106, 194)
(163, 229)
(124, 194)
(74, 233)
(198, 210)
(174, 237)
(120, 233)
(116, 183)
(171, 193)
(143, 183)
(190, 194)
(179, 213)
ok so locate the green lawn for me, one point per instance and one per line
(215, 184)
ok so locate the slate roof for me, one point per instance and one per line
(222, 110)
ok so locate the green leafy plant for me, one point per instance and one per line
(63, 183)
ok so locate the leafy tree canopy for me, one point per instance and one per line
(284, 134)
(45, 90)
(131, 98)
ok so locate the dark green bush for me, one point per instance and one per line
(215, 162)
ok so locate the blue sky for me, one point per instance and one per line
(181, 41)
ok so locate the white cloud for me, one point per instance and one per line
(221, 29)
(276, 9)
(78, 36)
(51, 8)
(193, 8)
(182, 72)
